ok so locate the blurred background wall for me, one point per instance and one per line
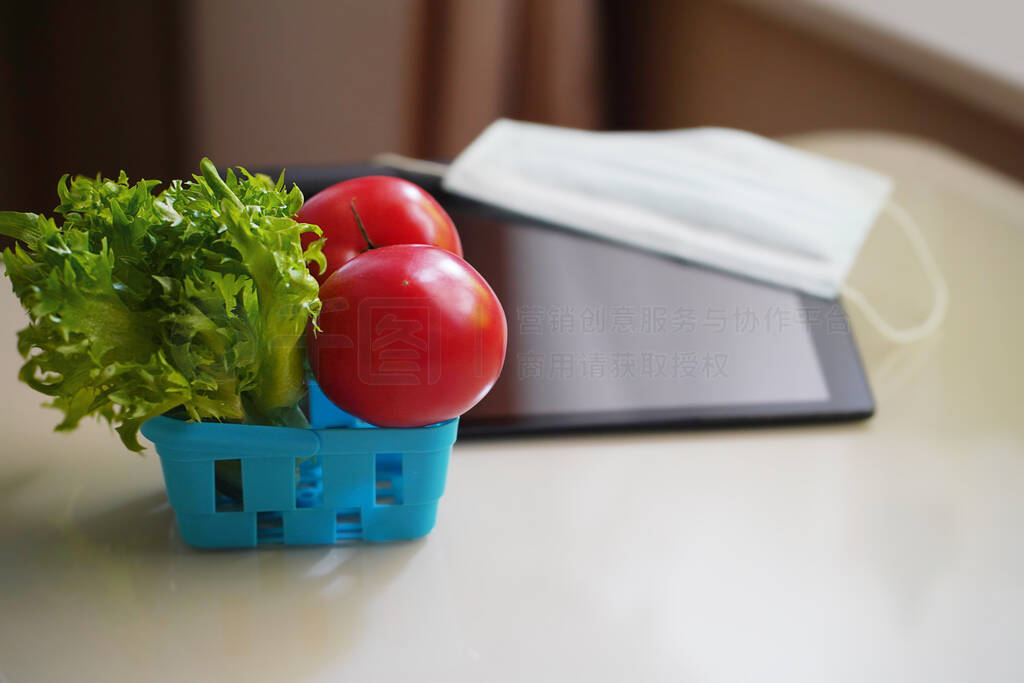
(151, 86)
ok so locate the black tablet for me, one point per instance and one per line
(606, 336)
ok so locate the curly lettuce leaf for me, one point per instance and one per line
(194, 299)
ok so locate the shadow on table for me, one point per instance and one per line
(312, 603)
(146, 525)
(142, 526)
(12, 483)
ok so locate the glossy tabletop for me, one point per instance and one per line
(888, 550)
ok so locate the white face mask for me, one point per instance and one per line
(725, 198)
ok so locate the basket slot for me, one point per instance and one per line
(348, 524)
(309, 482)
(269, 528)
(227, 481)
(388, 478)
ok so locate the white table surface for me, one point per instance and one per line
(888, 550)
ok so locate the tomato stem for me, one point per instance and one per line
(359, 222)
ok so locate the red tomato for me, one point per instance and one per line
(410, 335)
(393, 211)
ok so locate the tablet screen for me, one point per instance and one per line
(598, 327)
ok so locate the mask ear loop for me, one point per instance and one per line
(940, 300)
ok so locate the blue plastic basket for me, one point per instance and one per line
(340, 480)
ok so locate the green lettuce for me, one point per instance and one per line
(195, 299)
